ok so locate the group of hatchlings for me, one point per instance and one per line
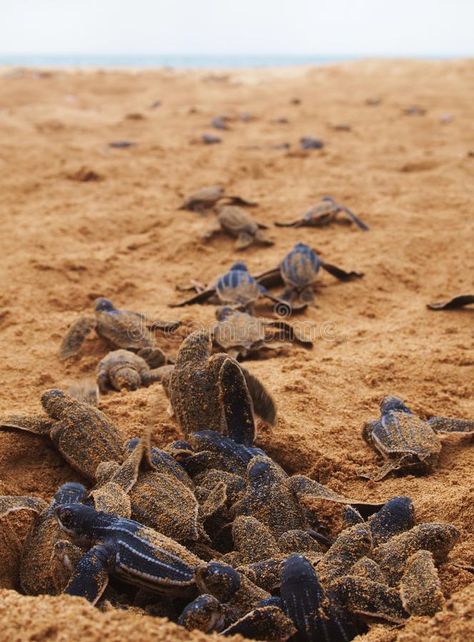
(210, 531)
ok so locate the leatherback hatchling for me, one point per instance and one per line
(206, 197)
(236, 222)
(122, 369)
(407, 442)
(324, 213)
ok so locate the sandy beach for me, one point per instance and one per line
(66, 240)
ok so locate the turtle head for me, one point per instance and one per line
(55, 401)
(239, 266)
(220, 580)
(69, 493)
(263, 470)
(104, 305)
(224, 312)
(78, 521)
(393, 404)
(126, 379)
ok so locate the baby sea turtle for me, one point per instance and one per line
(324, 213)
(207, 197)
(407, 442)
(298, 272)
(152, 495)
(236, 222)
(121, 328)
(275, 499)
(236, 287)
(125, 549)
(208, 449)
(84, 435)
(122, 369)
(315, 614)
(216, 392)
(454, 303)
(242, 335)
(38, 572)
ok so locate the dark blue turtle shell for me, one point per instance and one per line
(300, 266)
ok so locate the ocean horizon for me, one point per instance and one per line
(187, 61)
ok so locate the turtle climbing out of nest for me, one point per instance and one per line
(324, 213)
(208, 197)
(237, 223)
(453, 304)
(215, 392)
(83, 435)
(298, 273)
(406, 442)
(237, 287)
(126, 549)
(121, 328)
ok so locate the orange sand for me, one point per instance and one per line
(66, 241)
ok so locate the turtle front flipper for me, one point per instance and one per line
(270, 279)
(90, 577)
(164, 326)
(355, 219)
(339, 273)
(382, 472)
(451, 424)
(11, 503)
(236, 403)
(263, 403)
(200, 297)
(75, 336)
(156, 374)
(63, 561)
(453, 304)
(155, 357)
(299, 223)
(288, 332)
(263, 623)
(262, 239)
(238, 200)
(304, 486)
(36, 424)
(244, 240)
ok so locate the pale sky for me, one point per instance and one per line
(308, 27)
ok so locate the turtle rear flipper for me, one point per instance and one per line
(339, 273)
(451, 424)
(262, 239)
(263, 403)
(36, 424)
(454, 303)
(382, 472)
(90, 577)
(360, 224)
(75, 336)
(263, 623)
(237, 403)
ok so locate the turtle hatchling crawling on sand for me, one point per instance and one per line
(121, 328)
(122, 369)
(324, 213)
(236, 287)
(298, 272)
(207, 197)
(407, 442)
(235, 221)
(242, 335)
(215, 392)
